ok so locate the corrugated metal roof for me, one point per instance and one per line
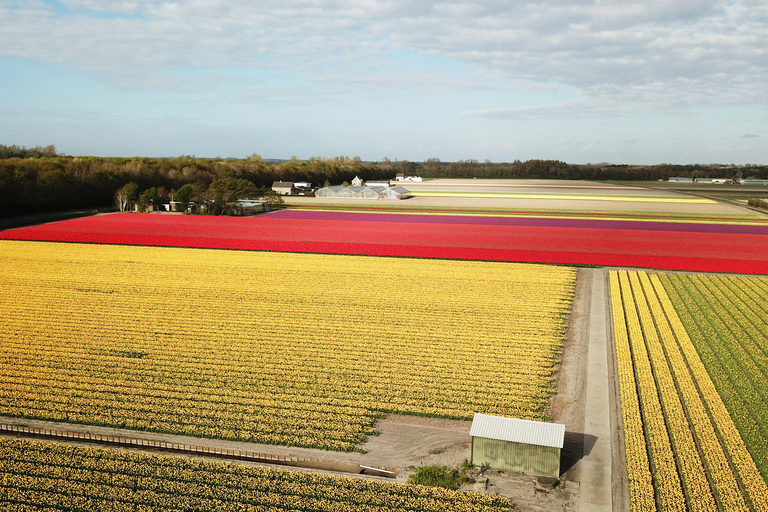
(518, 431)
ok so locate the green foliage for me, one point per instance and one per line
(15, 151)
(39, 180)
(273, 199)
(442, 476)
(126, 196)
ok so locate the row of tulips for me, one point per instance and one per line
(680, 411)
(297, 349)
(731, 356)
(48, 475)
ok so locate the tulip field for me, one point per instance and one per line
(303, 327)
(722, 246)
(292, 349)
(680, 403)
(61, 477)
(727, 322)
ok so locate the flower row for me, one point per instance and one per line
(278, 348)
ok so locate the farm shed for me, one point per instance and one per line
(680, 179)
(522, 446)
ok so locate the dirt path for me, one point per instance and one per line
(594, 469)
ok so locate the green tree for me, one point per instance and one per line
(125, 197)
(228, 190)
(182, 195)
(147, 198)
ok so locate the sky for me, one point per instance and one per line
(582, 81)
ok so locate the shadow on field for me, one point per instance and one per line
(575, 447)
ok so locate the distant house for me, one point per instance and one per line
(357, 181)
(284, 187)
(514, 445)
(680, 179)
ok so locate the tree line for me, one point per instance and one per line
(40, 180)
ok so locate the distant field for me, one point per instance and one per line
(294, 349)
(417, 206)
(549, 195)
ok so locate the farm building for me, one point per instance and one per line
(357, 181)
(522, 446)
(359, 192)
(717, 181)
(377, 183)
(353, 191)
(680, 179)
(243, 207)
(395, 193)
(753, 181)
(284, 187)
(302, 186)
(331, 191)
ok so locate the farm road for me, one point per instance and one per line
(601, 487)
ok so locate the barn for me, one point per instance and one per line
(522, 446)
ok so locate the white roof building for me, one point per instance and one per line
(511, 444)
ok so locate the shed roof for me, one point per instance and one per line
(518, 431)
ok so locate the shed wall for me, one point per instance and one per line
(508, 456)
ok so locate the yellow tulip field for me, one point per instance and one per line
(684, 451)
(61, 477)
(292, 349)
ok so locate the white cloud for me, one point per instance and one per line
(623, 57)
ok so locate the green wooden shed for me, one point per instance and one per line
(515, 445)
